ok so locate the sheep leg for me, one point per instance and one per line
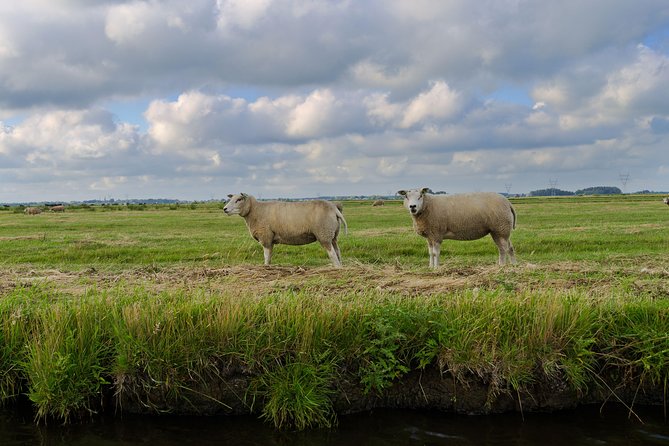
(429, 252)
(433, 248)
(332, 253)
(336, 247)
(505, 249)
(501, 247)
(267, 251)
(511, 252)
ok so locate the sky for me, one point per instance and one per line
(197, 99)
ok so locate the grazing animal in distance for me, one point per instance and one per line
(378, 203)
(290, 223)
(461, 217)
(58, 208)
(32, 211)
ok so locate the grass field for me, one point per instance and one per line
(549, 229)
(153, 299)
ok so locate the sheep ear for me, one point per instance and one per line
(229, 195)
(243, 195)
(424, 190)
(402, 193)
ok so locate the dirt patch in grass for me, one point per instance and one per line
(24, 237)
(643, 227)
(382, 232)
(254, 279)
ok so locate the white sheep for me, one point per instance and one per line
(666, 200)
(461, 217)
(290, 223)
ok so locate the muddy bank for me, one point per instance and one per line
(427, 389)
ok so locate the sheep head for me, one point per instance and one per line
(237, 204)
(413, 199)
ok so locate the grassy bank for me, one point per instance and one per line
(163, 307)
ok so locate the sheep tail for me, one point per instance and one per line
(341, 218)
(513, 211)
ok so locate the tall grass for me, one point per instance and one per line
(16, 318)
(157, 349)
(67, 357)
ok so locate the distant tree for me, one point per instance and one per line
(599, 190)
(550, 192)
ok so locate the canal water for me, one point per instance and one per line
(610, 425)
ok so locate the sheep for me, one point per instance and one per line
(666, 201)
(32, 211)
(378, 203)
(58, 208)
(294, 223)
(461, 217)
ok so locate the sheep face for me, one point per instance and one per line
(237, 204)
(413, 199)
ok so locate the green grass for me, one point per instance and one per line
(549, 229)
(159, 306)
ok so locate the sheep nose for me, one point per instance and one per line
(412, 207)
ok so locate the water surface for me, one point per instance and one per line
(611, 425)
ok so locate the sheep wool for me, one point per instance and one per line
(290, 223)
(461, 217)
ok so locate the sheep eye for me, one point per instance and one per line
(238, 200)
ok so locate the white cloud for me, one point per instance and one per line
(108, 183)
(311, 117)
(126, 22)
(68, 135)
(641, 85)
(391, 166)
(374, 74)
(379, 110)
(440, 102)
(241, 13)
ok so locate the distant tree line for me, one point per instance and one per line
(597, 190)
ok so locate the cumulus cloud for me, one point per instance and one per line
(126, 22)
(440, 102)
(303, 97)
(640, 86)
(68, 135)
(197, 120)
(310, 118)
(241, 13)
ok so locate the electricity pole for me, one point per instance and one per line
(624, 178)
(553, 185)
